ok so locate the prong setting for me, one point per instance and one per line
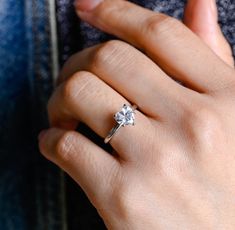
(123, 118)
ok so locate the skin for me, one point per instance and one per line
(175, 169)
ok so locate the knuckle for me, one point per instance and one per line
(64, 148)
(204, 116)
(203, 122)
(76, 87)
(123, 202)
(161, 23)
(106, 53)
(129, 203)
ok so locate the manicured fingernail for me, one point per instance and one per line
(42, 134)
(86, 5)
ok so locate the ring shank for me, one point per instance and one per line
(112, 132)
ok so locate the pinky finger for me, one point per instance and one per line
(89, 165)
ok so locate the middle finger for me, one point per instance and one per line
(176, 49)
(133, 75)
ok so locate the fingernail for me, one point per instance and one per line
(42, 134)
(86, 5)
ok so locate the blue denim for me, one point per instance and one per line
(13, 132)
(35, 194)
(30, 187)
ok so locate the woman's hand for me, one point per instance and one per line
(175, 169)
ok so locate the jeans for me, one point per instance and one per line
(31, 189)
(35, 194)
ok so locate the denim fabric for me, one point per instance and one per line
(30, 187)
(14, 134)
(33, 192)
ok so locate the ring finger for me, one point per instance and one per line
(86, 98)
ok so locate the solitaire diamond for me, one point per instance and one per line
(126, 116)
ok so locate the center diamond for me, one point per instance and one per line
(126, 116)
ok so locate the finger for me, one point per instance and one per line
(166, 40)
(86, 98)
(122, 66)
(202, 18)
(90, 166)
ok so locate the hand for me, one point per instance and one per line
(175, 169)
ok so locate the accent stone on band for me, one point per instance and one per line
(126, 116)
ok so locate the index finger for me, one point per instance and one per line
(176, 49)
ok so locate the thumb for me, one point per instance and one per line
(202, 18)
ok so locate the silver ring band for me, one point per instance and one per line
(123, 118)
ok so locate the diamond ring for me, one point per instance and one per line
(123, 118)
